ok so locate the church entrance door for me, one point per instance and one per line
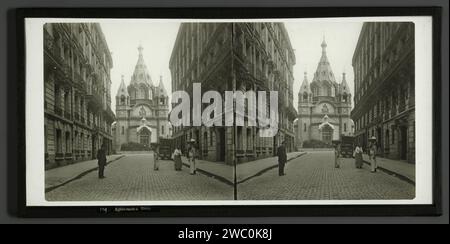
(144, 137)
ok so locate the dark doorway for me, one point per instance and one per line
(275, 146)
(403, 143)
(379, 138)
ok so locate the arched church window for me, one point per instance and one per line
(344, 98)
(305, 96)
(142, 112)
(122, 100)
(142, 93)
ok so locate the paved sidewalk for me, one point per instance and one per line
(244, 170)
(400, 168)
(61, 175)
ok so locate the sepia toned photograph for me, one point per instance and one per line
(187, 112)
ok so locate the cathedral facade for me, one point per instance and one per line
(324, 106)
(141, 109)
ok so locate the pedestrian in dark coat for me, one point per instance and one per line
(101, 157)
(282, 158)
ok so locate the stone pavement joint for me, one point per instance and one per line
(78, 175)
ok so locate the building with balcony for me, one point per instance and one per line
(323, 106)
(235, 56)
(141, 108)
(383, 63)
(77, 100)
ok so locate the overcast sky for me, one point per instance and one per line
(158, 39)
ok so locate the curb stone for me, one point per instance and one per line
(79, 176)
(228, 182)
(393, 173)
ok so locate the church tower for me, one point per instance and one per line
(324, 83)
(163, 107)
(345, 107)
(122, 113)
(141, 109)
(324, 106)
(305, 97)
(140, 87)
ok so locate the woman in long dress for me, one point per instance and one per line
(358, 155)
(177, 159)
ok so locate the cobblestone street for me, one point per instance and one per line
(132, 178)
(313, 177)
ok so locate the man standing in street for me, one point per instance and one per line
(282, 158)
(101, 157)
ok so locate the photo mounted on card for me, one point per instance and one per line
(229, 112)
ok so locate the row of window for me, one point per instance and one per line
(391, 104)
(375, 45)
(64, 98)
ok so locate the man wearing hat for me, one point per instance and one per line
(373, 154)
(192, 153)
(101, 157)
